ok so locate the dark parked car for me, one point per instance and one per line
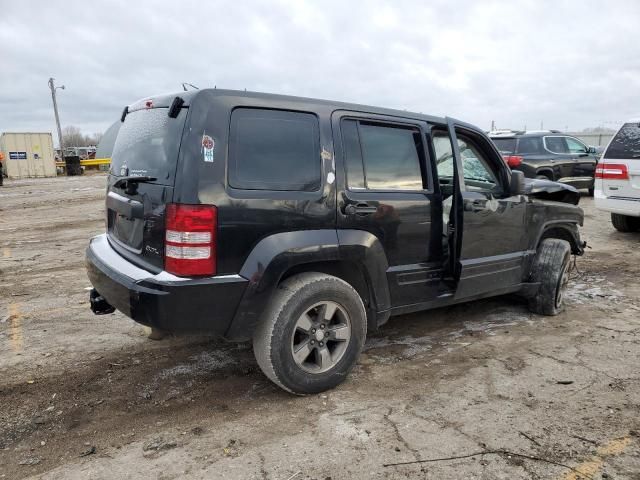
(305, 224)
(549, 155)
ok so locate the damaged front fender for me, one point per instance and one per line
(550, 217)
(552, 191)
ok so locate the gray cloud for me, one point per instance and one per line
(572, 63)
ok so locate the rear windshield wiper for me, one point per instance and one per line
(130, 184)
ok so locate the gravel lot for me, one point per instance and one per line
(91, 397)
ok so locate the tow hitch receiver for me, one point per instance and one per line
(99, 305)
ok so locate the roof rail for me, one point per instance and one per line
(504, 132)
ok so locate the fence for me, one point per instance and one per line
(594, 139)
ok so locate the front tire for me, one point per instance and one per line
(551, 270)
(311, 334)
(625, 223)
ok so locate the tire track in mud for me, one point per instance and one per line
(113, 400)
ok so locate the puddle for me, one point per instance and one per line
(391, 349)
(590, 287)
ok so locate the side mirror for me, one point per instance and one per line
(591, 150)
(516, 187)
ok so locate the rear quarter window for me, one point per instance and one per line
(626, 144)
(274, 150)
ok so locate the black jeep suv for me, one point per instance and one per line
(549, 155)
(303, 224)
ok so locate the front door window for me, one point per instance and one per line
(476, 169)
(575, 146)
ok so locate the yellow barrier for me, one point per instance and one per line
(89, 162)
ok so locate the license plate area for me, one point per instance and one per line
(127, 232)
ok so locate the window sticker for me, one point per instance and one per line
(207, 148)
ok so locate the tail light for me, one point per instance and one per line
(513, 160)
(190, 239)
(612, 171)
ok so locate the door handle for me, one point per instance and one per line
(475, 205)
(359, 209)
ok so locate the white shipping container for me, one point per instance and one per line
(28, 155)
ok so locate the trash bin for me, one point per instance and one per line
(72, 164)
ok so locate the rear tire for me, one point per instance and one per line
(311, 334)
(625, 223)
(551, 270)
(591, 191)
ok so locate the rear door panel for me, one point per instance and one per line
(567, 165)
(408, 223)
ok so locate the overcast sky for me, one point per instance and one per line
(572, 64)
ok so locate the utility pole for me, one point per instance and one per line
(55, 110)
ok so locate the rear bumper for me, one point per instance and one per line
(163, 300)
(577, 182)
(627, 206)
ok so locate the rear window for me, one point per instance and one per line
(147, 145)
(274, 150)
(391, 157)
(505, 145)
(626, 144)
(382, 157)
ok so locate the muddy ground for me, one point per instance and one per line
(91, 397)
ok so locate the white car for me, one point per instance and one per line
(617, 179)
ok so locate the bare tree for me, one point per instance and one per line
(72, 137)
(93, 139)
